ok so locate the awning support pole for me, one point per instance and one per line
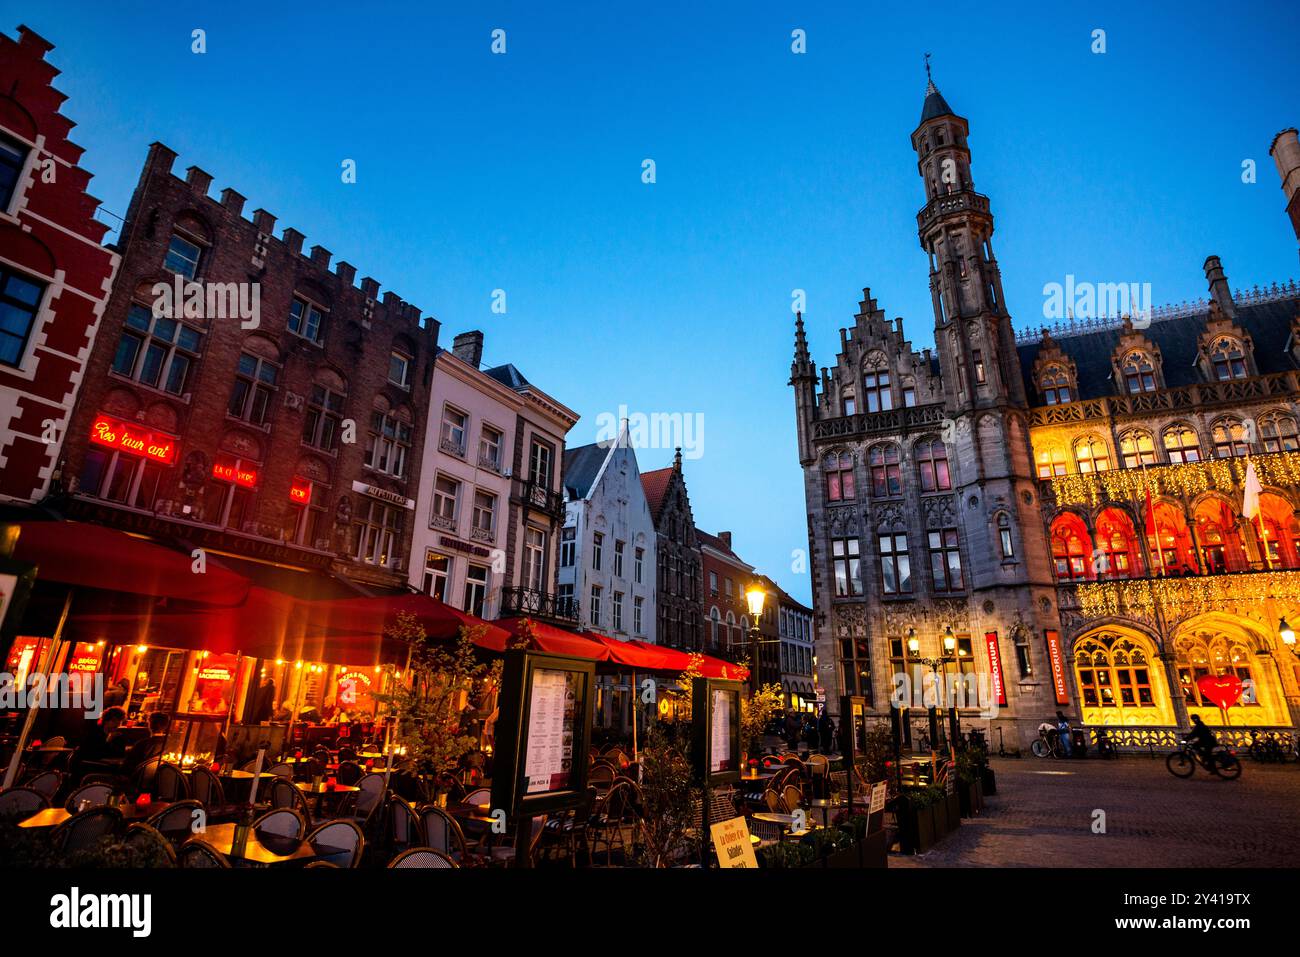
(51, 656)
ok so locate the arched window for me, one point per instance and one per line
(1172, 550)
(1051, 462)
(1139, 373)
(715, 620)
(1210, 653)
(932, 465)
(1113, 672)
(1181, 444)
(1228, 359)
(1218, 536)
(1137, 448)
(1055, 386)
(1278, 433)
(1071, 547)
(1229, 439)
(1119, 551)
(838, 467)
(1091, 454)
(885, 477)
(1005, 543)
(1280, 531)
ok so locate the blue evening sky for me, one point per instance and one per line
(775, 172)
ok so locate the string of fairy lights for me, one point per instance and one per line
(1187, 479)
(1110, 598)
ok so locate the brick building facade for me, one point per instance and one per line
(245, 397)
(677, 557)
(1064, 509)
(54, 273)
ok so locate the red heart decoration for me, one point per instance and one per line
(1223, 690)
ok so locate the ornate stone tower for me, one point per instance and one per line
(1012, 589)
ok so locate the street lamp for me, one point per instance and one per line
(935, 664)
(1287, 634)
(755, 595)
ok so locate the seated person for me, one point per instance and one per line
(100, 743)
(152, 746)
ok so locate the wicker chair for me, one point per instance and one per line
(282, 822)
(614, 814)
(84, 829)
(197, 852)
(791, 797)
(45, 783)
(21, 803)
(178, 817)
(151, 841)
(97, 794)
(602, 774)
(284, 770)
(344, 835)
(421, 857)
(442, 832)
(170, 783)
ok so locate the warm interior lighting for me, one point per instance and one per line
(142, 648)
(755, 597)
(913, 643)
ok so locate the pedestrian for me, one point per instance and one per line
(264, 704)
(792, 728)
(1064, 734)
(826, 731)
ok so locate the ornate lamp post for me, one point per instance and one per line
(935, 665)
(755, 596)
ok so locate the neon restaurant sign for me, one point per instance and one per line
(300, 491)
(115, 434)
(233, 473)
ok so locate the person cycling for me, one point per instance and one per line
(1202, 739)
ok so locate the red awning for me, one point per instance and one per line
(93, 556)
(360, 616)
(628, 654)
(557, 641)
(677, 661)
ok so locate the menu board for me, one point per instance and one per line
(879, 790)
(552, 707)
(720, 753)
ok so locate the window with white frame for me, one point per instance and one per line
(13, 157)
(617, 609)
(484, 519)
(20, 301)
(306, 320)
(476, 587)
(455, 426)
(377, 532)
(389, 443)
(618, 557)
(118, 476)
(437, 572)
(182, 256)
(638, 608)
(489, 448)
(320, 426)
(568, 546)
(638, 566)
(534, 559)
(595, 605)
(446, 493)
(228, 497)
(597, 550)
(399, 369)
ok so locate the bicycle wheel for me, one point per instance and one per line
(1227, 766)
(1180, 764)
(1039, 748)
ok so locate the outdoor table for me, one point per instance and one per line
(824, 805)
(476, 816)
(242, 775)
(265, 850)
(785, 820)
(752, 777)
(54, 816)
(320, 790)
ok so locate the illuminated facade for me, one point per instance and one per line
(995, 493)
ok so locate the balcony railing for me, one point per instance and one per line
(543, 499)
(905, 419)
(962, 201)
(1185, 480)
(1140, 597)
(1197, 395)
(539, 604)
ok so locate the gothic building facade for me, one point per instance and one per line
(677, 557)
(956, 499)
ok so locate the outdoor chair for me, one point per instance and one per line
(347, 754)
(362, 803)
(565, 830)
(282, 822)
(84, 829)
(197, 852)
(284, 770)
(403, 823)
(324, 864)
(142, 778)
(207, 789)
(349, 772)
(150, 841)
(767, 832)
(479, 796)
(421, 857)
(614, 814)
(505, 852)
(21, 803)
(170, 783)
(791, 797)
(772, 800)
(97, 794)
(45, 783)
(442, 832)
(177, 818)
(284, 794)
(602, 774)
(344, 835)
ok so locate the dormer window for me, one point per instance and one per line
(1228, 360)
(1055, 386)
(1139, 373)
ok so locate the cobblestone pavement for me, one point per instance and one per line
(1043, 812)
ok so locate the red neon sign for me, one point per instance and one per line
(115, 434)
(995, 666)
(232, 473)
(1058, 666)
(300, 491)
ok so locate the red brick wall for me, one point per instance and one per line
(48, 234)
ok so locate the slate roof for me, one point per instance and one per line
(935, 105)
(1268, 323)
(656, 487)
(581, 466)
(509, 376)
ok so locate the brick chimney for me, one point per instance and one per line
(1219, 290)
(468, 347)
(725, 538)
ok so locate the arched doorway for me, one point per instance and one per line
(1218, 644)
(1278, 542)
(1219, 537)
(1118, 546)
(1172, 549)
(1121, 680)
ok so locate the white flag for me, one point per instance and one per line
(1250, 501)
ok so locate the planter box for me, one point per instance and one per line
(971, 797)
(918, 829)
(875, 850)
(953, 805)
(989, 781)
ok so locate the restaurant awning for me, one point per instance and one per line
(359, 616)
(108, 560)
(557, 641)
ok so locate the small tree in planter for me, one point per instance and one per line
(756, 713)
(669, 802)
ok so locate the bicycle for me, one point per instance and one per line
(1223, 763)
(1048, 743)
(1269, 749)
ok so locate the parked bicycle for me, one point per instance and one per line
(1222, 762)
(1048, 743)
(1269, 749)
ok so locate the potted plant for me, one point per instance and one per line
(922, 817)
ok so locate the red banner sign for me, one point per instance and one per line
(232, 473)
(300, 491)
(115, 434)
(1057, 659)
(995, 666)
(85, 658)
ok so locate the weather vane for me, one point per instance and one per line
(927, 68)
